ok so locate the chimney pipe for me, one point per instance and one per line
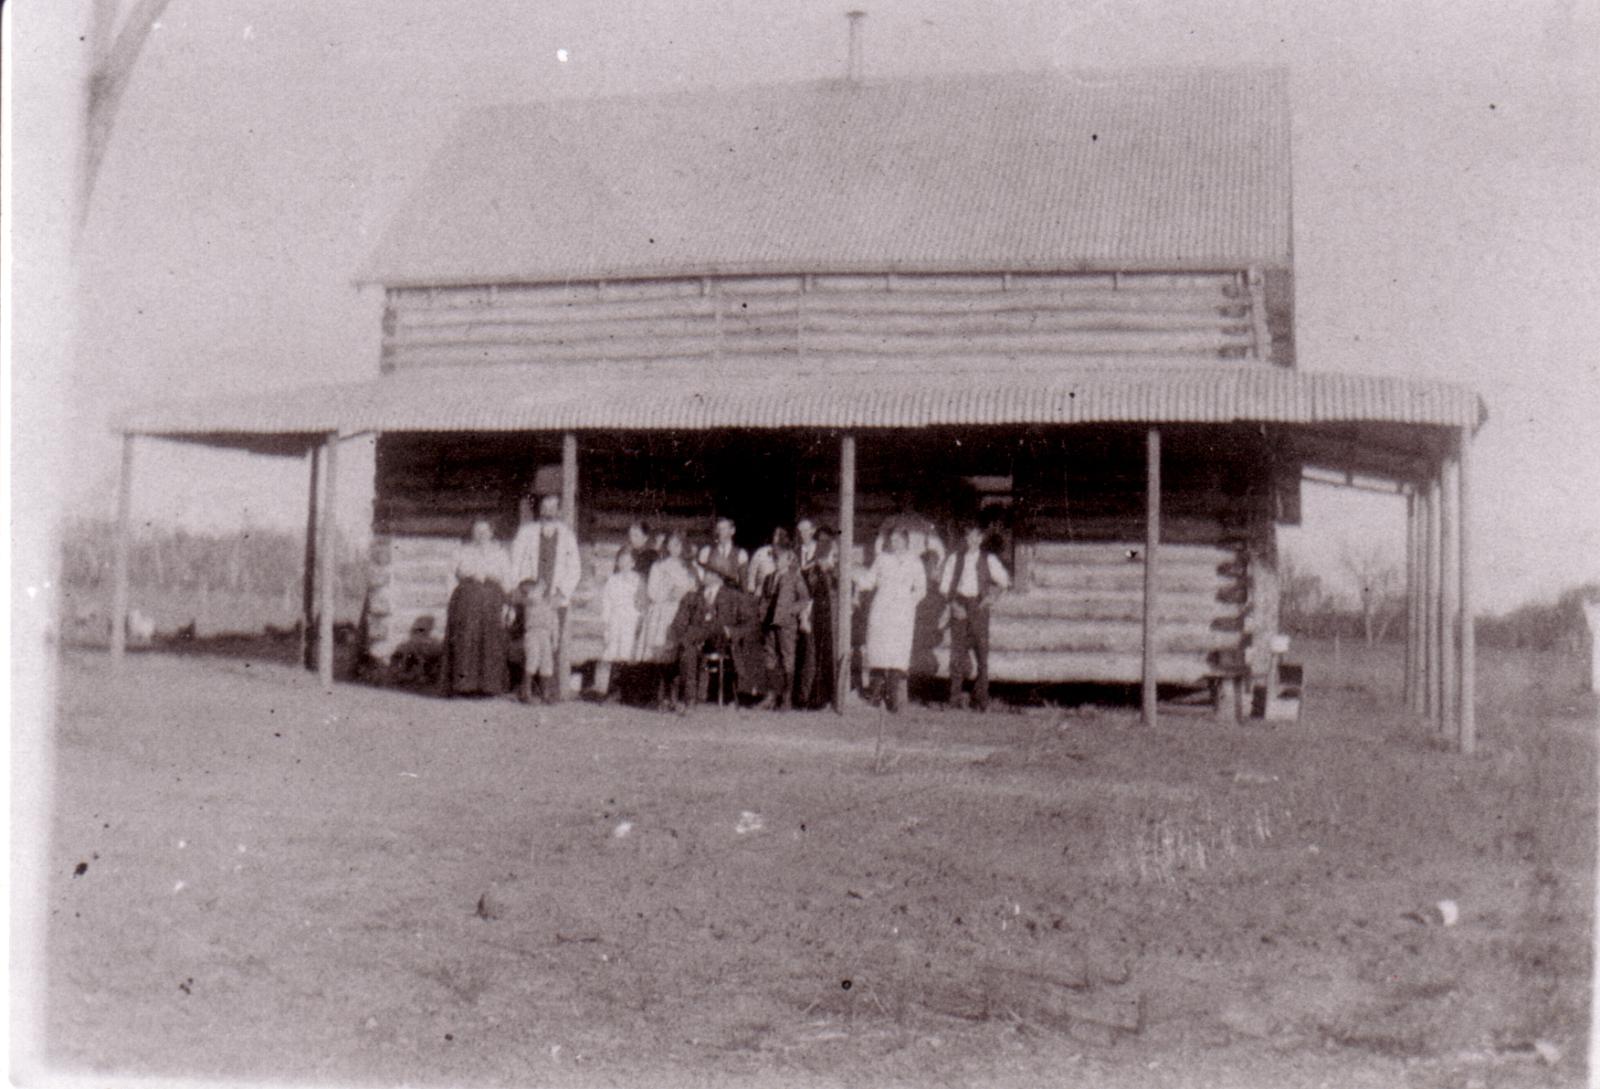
(853, 72)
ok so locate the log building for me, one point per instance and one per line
(1066, 300)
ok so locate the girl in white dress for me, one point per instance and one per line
(619, 608)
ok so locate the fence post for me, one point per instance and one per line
(327, 574)
(119, 561)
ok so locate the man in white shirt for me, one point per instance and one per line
(972, 578)
(725, 557)
(547, 550)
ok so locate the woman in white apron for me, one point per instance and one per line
(898, 580)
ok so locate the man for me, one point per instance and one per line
(972, 578)
(722, 618)
(785, 600)
(763, 562)
(546, 551)
(729, 560)
(814, 653)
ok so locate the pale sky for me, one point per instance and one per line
(1446, 221)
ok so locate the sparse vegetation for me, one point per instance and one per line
(242, 581)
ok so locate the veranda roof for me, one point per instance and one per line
(1043, 170)
(1361, 422)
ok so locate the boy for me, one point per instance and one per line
(540, 627)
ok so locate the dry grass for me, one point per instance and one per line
(1162, 848)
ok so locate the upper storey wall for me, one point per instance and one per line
(823, 321)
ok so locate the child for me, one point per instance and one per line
(540, 628)
(619, 608)
(784, 600)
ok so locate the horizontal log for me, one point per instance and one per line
(1019, 320)
(403, 548)
(541, 294)
(698, 319)
(1169, 580)
(450, 527)
(1087, 668)
(498, 345)
(1174, 530)
(1030, 635)
(906, 291)
(1111, 606)
(448, 502)
(402, 355)
(1117, 553)
(420, 576)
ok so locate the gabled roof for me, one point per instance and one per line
(1169, 169)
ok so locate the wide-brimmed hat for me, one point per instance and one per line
(715, 567)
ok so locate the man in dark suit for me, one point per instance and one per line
(719, 618)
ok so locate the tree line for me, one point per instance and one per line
(1376, 611)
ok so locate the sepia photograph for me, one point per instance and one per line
(722, 543)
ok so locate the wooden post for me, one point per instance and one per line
(327, 567)
(1409, 684)
(1449, 598)
(569, 479)
(1467, 726)
(119, 561)
(1430, 601)
(1152, 540)
(569, 513)
(1419, 607)
(847, 563)
(308, 598)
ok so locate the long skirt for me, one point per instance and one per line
(655, 633)
(815, 683)
(475, 640)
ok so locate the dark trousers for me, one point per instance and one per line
(782, 645)
(692, 673)
(969, 634)
(691, 670)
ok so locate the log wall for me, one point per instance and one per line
(920, 318)
(1072, 524)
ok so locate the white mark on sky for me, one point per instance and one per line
(561, 55)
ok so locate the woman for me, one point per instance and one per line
(820, 569)
(475, 640)
(669, 580)
(899, 581)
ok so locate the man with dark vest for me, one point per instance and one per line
(972, 578)
(722, 618)
(724, 556)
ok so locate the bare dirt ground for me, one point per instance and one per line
(248, 879)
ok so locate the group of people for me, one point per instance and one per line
(499, 594)
(760, 627)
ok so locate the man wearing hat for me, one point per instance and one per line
(722, 618)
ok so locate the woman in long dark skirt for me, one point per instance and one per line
(821, 571)
(475, 639)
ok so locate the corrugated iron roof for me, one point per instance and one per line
(1173, 169)
(650, 396)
